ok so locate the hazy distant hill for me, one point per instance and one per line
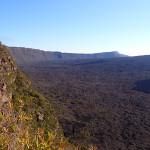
(27, 55)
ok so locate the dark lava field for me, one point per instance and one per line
(104, 102)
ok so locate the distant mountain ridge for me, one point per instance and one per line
(28, 55)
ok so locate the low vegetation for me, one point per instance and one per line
(27, 119)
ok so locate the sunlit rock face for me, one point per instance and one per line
(23, 111)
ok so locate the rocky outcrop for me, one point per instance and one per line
(23, 111)
(7, 74)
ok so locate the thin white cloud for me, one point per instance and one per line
(6, 39)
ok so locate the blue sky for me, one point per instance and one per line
(79, 26)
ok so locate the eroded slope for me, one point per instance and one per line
(27, 119)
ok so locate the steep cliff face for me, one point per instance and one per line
(28, 55)
(8, 73)
(25, 115)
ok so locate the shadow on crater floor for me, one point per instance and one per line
(143, 86)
